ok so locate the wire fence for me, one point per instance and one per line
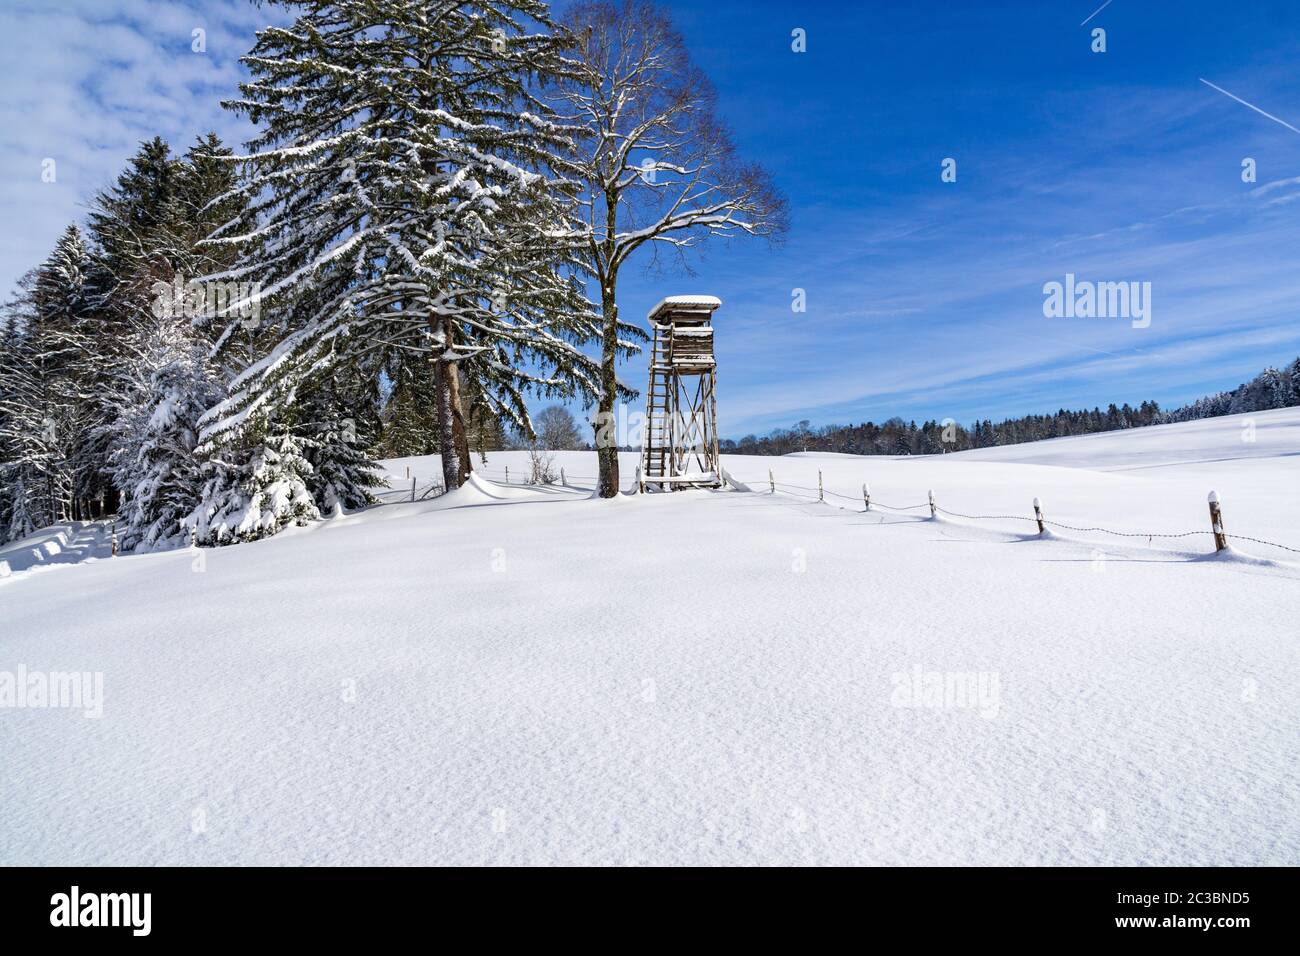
(563, 480)
(435, 488)
(414, 488)
(868, 502)
(413, 492)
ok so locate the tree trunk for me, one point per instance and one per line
(443, 372)
(452, 438)
(605, 425)
(459, 432)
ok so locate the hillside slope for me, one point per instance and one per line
(519, 675)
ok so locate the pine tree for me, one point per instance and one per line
(163, 477)
(43, 395)
(410, 198)
(336, 435)
(1269, 390)
(65, 354)
(254, 495)
(163, 380)
(133, 225)
(15, 521)
(130, 223)
(1293, 380)
(409, 417)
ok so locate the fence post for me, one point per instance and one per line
(563, 481)
(115, 541)
(771, 481)
(412, 489)
(1216, 523)
(408, 471)
(1038, 515)
(866, 496)
(820, 495)
(507, 474)
(934, 511)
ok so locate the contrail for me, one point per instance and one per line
(1252, 106)
(1091, 349)
(1095, 12)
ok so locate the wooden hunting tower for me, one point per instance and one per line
(680, 448)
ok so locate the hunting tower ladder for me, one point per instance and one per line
(680, 449)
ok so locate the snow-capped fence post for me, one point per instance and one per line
(563, 480)
(820, 495)
(934, 511)
(771, 481)
(412, 487)
(866, 496)
(1038, 515)
(114, 542)
(1216, 523)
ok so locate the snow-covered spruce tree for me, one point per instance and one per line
(1265, 391)
(1293, 383)
(1268, 390)
(131, 223)
(80, 343)
(411, 201)
(254, 496)
(409, 416)
(164, 477)
(410, 420)
(338, 423)
(25, 452)
(658, 167)
(15, 519)
(66, 344)
(164, 379)
(43, 396)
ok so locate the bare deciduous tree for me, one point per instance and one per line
(557, 430)
(541, 465)
(659, 166)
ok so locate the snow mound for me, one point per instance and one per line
(478, 490)
(733, 484)
(61, 544)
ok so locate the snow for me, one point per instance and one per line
(515, 675)
(59, 545)
(685, 301)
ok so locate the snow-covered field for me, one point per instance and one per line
(519, 675)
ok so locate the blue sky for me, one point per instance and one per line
(924, 298)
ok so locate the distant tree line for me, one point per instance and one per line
(1271, 388)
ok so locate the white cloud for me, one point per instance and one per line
(86, 82)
